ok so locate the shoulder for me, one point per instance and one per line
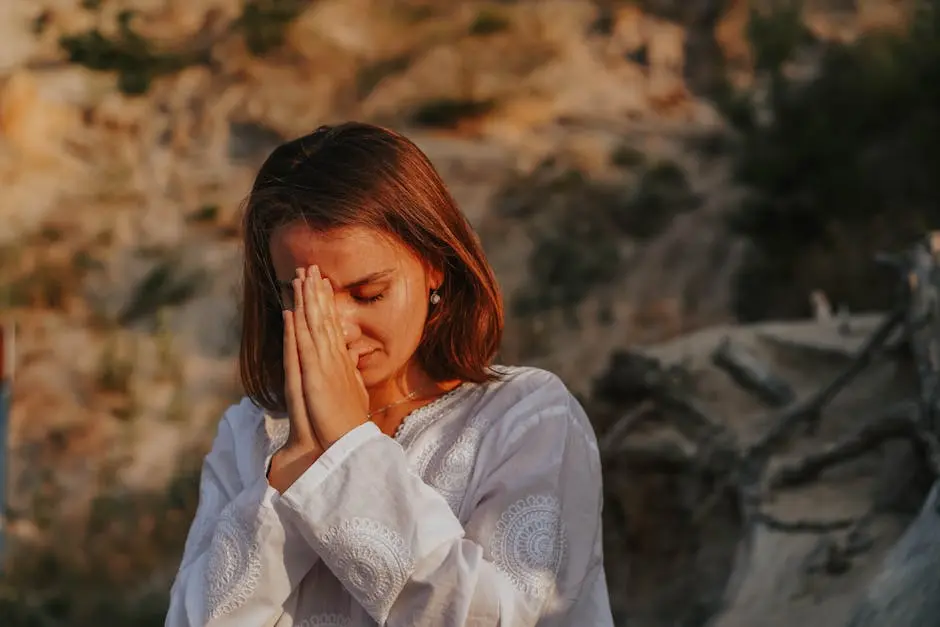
(524, 397)
(241, 443)
(240, 424)
(525, 388)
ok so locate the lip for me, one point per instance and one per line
(364, 358)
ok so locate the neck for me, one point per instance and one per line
(411, 380)
(385, 399)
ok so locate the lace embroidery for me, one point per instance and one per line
(415, 422)
(529, 543)
(448, 470)
(325, 620)
(209, 506)
(276, 431)
(372, 559)
(234, 566)
(271, 435)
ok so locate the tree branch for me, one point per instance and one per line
(785, 421)
(626, 423)
(897, 422)
(752, 375)
(803, 525)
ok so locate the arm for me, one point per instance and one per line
(529, 546)
(240, 561)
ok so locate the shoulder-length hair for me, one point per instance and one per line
(358, 174)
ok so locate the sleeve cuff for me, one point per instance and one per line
(332, 458)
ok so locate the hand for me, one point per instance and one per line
(302, 447)
(335, 397)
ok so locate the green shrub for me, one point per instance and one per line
(450, 112)
(579, 227)
(489, 22)
(845, 168)
(264, 22)
(135, 60)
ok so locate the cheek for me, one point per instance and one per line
(397, 319)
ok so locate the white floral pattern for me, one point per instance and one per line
(274, 432)
(448, 469)
(374, 559)
(234, 566)
(325, 620)
(528, 544)
(210, 502)
(457, 463)
(420, 419)
(271, 435)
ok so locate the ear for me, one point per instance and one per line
(435, 278)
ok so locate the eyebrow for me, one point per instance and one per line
(369, 278)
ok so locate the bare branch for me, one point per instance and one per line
(692, 420)
(752, 375)
(783, 423)
(803, 525)
(923, 323)
(897, 422)
(616, 434)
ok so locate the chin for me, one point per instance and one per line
(372, 375)
(369, 379)
(376, 373)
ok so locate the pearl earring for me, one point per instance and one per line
(435, 297)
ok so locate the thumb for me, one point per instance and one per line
(362, 387)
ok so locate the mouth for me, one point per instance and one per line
(364, 358)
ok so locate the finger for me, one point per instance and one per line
(363, 391)
(325, 335)
(304, 340)
(293, 385)
(332, 315)
(301, 273)
(314, 310)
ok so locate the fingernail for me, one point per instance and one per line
(301, 272)
(314, 271)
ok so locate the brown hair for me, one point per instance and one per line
(357, 174)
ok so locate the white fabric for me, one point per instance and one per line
(484, 510)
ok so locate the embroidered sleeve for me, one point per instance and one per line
(529, 546)
(240, 561)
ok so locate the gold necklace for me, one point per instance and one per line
(400, 401)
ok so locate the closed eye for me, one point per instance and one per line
(369, 300)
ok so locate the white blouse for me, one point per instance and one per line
(484, 509)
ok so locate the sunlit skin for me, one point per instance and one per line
(380, 293)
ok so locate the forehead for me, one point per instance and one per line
(342, 254)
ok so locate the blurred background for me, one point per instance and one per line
(638, 170)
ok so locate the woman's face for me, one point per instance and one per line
(381, 290)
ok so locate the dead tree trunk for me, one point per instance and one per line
(907, 592)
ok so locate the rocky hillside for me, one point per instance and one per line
(583, 140)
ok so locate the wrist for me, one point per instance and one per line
(290, 462)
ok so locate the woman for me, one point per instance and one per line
(380, 470)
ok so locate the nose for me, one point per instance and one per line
(349, 324)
